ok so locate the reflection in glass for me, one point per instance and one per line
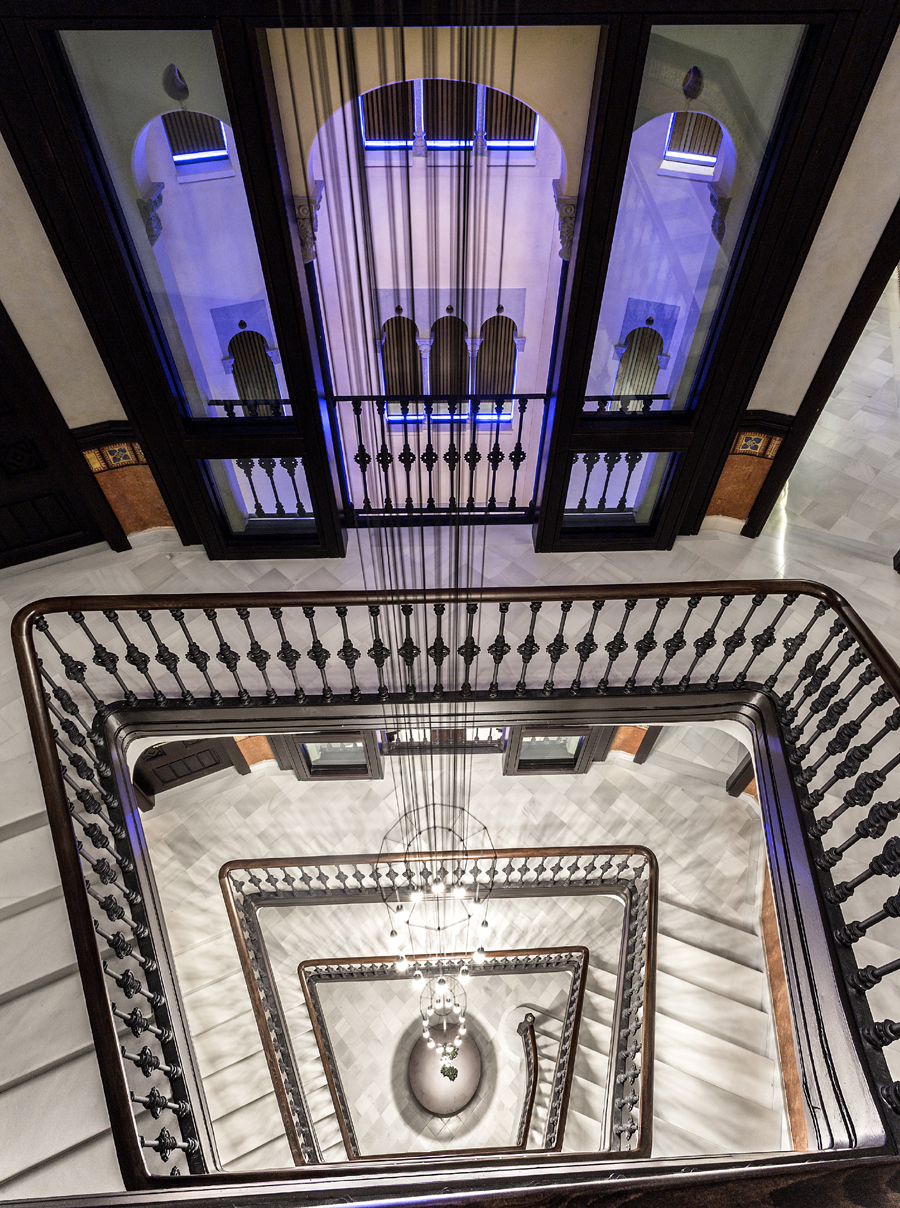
(174, 167)
(550, 748)
(618, 488)
(330, 755)
(263, 494)
(709, 100)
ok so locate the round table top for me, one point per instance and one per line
(434, 1091)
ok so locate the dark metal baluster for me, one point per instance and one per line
(429, 458)
(288, 655)
(438, 651)
(317, 652)
(590, 460)
(611, 460)
(267, 465)
(99, 840)
(865, 788)
(676, 643)
(517, 456)
(529, 648)
(452, 456)
(704, 643)
(87, 799)
(361, 456)
(495, 457)
(74, 669)
(407, 457)
(845, 733)
(105, 658)
(854, 759)
(735, 641)
(793, 645)
(865, 979)
(468, 651)
(156, 1103)
(873, 826)
(226, 656)
(885, 864)
(115, 911)
(166, 657)
(498, 650)
(123, 949)
(67, 704)
(136, 657)
(766, 637)
(852, 932)
(812, 670)
(108, 875)
(246, 464)
(473, 455)
(646, 645)
(148, 1063)
(632, 460)
(378, 652)
(384, 457)
(257, 656)
(290, 464)
(138, 1024)
(348, 654)
(834, 709)
(76, 736)
(195, 655)
(408, 651)
(617, 646)
(558, 646)
(585, 648)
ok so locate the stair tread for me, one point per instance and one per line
(710, 934)
(711, 972)
(716, 1061)
(670, 1141)
(714, 1114)
(712, 1012)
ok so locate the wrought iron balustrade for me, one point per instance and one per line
(471, 456)
(261, 408)
(629, 873)
(790, 658)
(596, 406)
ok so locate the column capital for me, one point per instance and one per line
(307, 209)
(473, 343)
(565, 208)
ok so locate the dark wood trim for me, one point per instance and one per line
(882, 263)
(742, 775)
(772, 423)
(647, 743)
(26, 389)
(604, 742)
(89, 436)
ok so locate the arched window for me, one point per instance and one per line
(449, 357)
(692, 149)
(254, 373)
(639, 365)
(400, 357)
(495, 368)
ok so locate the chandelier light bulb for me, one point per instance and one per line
(462, 1030)
(437, 886)
(464, 974)
(459, 891)
(430, 1043)
(485, 926)
(478, 956)
(402, 963)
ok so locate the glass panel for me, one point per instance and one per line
(615, 488)
(156, 102)
(551, 748)
(709, 100)
(324, 756)
(263, 494)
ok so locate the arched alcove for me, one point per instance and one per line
(495, 367)
(449, 357)
(639, 366)
(254, 373)
(401, 362)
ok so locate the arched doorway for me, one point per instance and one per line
(495, 368)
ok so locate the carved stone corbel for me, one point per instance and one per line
(306, 209)
(565, 208)
(147, 208)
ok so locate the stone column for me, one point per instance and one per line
(307, 209)
(473, 344)
(425, 353)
